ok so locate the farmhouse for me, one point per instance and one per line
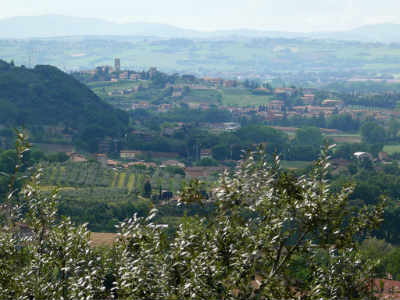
(129, 154)
(229, 83)
(205, 153)
(214, 81)
(75, 157)
(173, 163)
(124, 75)
(112, 163)
(275, 105)
(134, 77)
(383, 156)
(330, 102)
(282, 91)
(161, 155)
(143, 105)
(262, 90)
(177, 94)
(363, 155)
(316, 110)
(102, 159)
(308, 99)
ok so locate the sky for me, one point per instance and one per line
(283, 15)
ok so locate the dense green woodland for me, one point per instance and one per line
(46, 96)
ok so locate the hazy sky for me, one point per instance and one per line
(288, 15)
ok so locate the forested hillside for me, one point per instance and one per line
(45, 95)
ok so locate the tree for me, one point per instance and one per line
(147, 189)
(393, 130)
(58, 157)
(8, 160)
(43, 257)
(373, 133)
(372, 248)
(311, 136)
(207, 162)
(307, 144)
(266, 220)
(221, 152)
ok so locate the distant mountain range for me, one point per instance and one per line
(61, 26)
(56, 26)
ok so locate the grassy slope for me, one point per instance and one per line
(390, 149)
(242, 98)
(228, 96)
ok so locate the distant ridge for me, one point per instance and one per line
(57, 25)
(61, 26)
(382, 33)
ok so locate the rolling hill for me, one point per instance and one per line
(46, 96)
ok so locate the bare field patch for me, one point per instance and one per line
(342, 139)
(102, 238)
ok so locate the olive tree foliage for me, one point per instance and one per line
(265, 221)
(41, 256)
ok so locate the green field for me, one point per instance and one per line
(121, 181)
(390, 149)
(210, 96)
(131, 182)
(115, 178)
(242, 97)
(222, 96)
(102, 88)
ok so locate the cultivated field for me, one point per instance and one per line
(345, 138)
(102, 238)
(70, 176)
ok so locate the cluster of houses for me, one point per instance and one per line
(382, 157)
(129, 158)
(124, 91)
(381, 114)
(275, 109)
(132, 158)
(272, 110)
